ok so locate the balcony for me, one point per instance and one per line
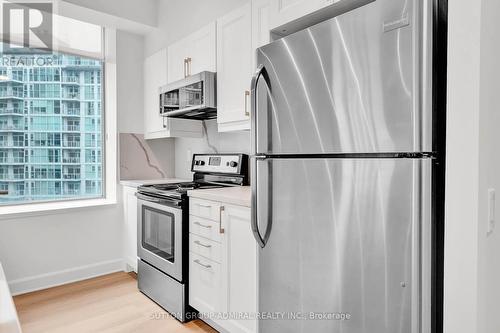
(11, 160)
(71, 95)
(11, 127)
(70, 80)
(71, 111)
(12, 111)
(72, 159)
(71, 176)
(11, 94)
(71, 128)
(71, 191)
(12, 177)
(71, 144)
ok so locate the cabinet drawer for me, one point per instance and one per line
(204, 228)
(205, 247)
(205, 208)
(205, 281)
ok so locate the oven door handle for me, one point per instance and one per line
(147, 198)
(159, 201)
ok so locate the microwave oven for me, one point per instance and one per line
(193, 97)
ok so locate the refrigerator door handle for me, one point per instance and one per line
(261, 71)
(254, 211)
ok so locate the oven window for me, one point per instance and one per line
(158, 232)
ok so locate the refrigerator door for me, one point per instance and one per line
(343, 242)
(351, 84)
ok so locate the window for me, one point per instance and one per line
(50, 129)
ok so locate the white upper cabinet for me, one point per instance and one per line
(156, 126)
(234, 69)
(284, 11)
(260, 24)
(193, 54)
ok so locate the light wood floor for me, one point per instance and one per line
(110, 303)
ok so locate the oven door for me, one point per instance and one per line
(159, 235)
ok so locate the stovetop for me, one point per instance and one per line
(210, 171)
(177, 190)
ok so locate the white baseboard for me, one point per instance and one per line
(53, 279)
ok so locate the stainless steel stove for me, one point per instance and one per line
(162, 237)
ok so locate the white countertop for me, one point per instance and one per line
(9, 323)
(240, 195)
(139, 182)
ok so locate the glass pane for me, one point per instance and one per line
(50, 127)
(158, 232)
(192, 95)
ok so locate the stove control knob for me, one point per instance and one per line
(196, 162)
(202, 162)
(233, 164)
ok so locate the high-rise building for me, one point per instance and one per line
(50, 129)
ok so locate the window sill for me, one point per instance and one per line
(50, 208)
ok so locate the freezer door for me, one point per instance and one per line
(352, 84)
(345, 245)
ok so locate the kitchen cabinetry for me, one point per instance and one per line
(239, 33)
(285, 11)
(260, 25)
(192, 54)
(156, 126)
(130, 227)
(222, 262)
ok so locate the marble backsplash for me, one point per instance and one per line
(138, 159)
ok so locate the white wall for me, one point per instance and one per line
(460, 315)
(472, 268)
(489, 168)
(129, 76)
(142, 11)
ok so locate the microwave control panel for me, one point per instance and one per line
(217, 163)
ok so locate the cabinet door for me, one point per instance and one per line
(284, 11)
(130, 227)
(205, 284)
(177, 53)
(234, 68)
(240, 268)
(202, 50)
(260, 24)
(155, 75)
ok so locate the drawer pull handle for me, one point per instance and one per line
(201, 244)
(203, 225)
(221, 210)
(199, 263)
(204, 205)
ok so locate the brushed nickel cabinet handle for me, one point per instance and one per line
(247, 93)
(201, 244)
(199, 263)
(221, 229)
(188, 59)
(185, 67)
(203, 225)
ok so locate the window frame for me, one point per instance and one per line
(109, 147)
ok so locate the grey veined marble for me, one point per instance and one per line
(137, 160)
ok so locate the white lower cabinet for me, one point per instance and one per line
(130, 227)
(223, 265)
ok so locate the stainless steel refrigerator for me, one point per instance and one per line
(342, 130)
